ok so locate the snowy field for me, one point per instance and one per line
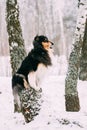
(52, 115)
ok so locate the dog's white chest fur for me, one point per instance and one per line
(36, 77)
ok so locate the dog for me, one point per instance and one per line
(35, 63)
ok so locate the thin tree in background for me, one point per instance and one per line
(16, 42)
(71, 93)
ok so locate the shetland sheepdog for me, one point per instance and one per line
(34, 65)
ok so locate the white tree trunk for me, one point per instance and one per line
(83, 61)
(71, 94)
(16, 41)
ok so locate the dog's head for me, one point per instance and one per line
(42, 42)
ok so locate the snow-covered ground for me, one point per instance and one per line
(52, 115)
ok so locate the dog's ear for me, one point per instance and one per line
(36, 42)
(36, 38)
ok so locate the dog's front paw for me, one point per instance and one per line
(37, 89)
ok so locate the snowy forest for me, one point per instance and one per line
(55, 19)
(63, 99)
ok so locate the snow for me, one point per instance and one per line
(52, 115)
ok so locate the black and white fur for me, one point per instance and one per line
(35, 63)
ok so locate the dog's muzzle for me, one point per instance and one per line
(51, 45)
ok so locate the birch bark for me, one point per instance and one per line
(83, 61)
(29, 98)
(71, 93)
(16, 41)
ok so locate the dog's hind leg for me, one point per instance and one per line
(17, 103)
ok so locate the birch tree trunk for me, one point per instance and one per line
(16, 42)
(29, 98)
(71, 93)
(83, 61)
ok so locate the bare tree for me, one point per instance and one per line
(71, 93)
